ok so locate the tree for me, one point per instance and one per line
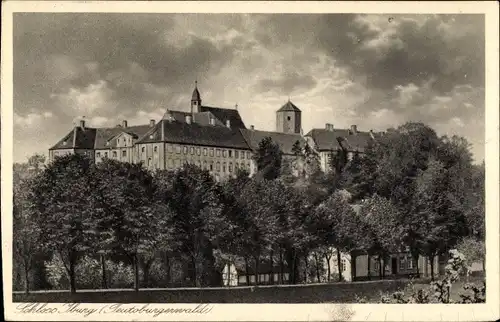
(383, 235)
(474, 251)
(61, 198)
(268, 159)
(126, 214)
(193, 198)
(26, 239)
(441, 222)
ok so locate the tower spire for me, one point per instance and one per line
(195, 99)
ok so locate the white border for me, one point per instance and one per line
(278, 312)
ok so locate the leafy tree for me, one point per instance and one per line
(61, 198)
(193, 198)
(128, 221)
(383, 235)
(441, 220)
(268, 159)
(474, 251)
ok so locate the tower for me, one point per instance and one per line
(195, 99)
(288, 118)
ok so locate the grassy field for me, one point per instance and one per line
(314, 293)
(351, 292)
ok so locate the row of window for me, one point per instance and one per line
(404, 263)
(210, 166)
(226, 153)
(113, 154)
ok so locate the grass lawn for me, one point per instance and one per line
(348, 292)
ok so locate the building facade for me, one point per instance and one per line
(214, 138)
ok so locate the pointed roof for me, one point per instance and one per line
(289, 107)
(196, 94)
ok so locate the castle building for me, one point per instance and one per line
(214, 138)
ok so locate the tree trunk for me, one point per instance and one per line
(196, 274)
(383, 268)
(306, 272)
(72, 280)
(353, 266)
(327, 258)
(281, 267)
(271, 268)
(104, 280)
(369, 267)
(432, 267)
(339, 264)
(145, 271)
(318, 276)
(136, 272)
(293, 277)
(415, 258)
(168, 269)
(256, 266)
(26, 278)
(484, 265)
(247, 269)
(380, 267)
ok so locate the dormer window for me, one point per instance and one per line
(64, 143)
(156, 149)
(143, 149)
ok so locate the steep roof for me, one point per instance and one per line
(105, 134)
(284, 140)
(196, 95)
(289, 107)
(78, 138)
(340, 138)
(221, 115)
(224, 114)
(196, 134)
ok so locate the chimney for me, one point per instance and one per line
(329, 127)
(151, 123)
(189, 118)
(228, 123)
(252, 127)
(354, 129)
(124, 123)
(212, 121)
(82, 124)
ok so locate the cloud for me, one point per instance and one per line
(372, 70)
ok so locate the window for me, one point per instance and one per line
(402, 263)
(242, 155)
(205, 151)
(224, 153)
(248, 166)
(410, 262)
(217, 152)
(217, 167)
(224, 167)
(124, 153)
(230, 153)
(248, 155)
(211, 166)
(105, 154)
(177, 162)
(178, 149)
(211, 152)
(143, 149)
(114, 154)
(156, 149)
(185, 150)
(192, 150)
(170, 163)
(198, 164)
(343, 264)
(198, 151)
(149, 162)
(236, 156)
(204, 165)
(98, 154)
(169, 148)
(288, 118)
(230, 167)
(377, 264)
(236, 166)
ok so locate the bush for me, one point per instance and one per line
(440, 291)
(120, 275)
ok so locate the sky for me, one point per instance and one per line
(374, 71)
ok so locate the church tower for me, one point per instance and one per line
(289, 119)
(195, 99)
